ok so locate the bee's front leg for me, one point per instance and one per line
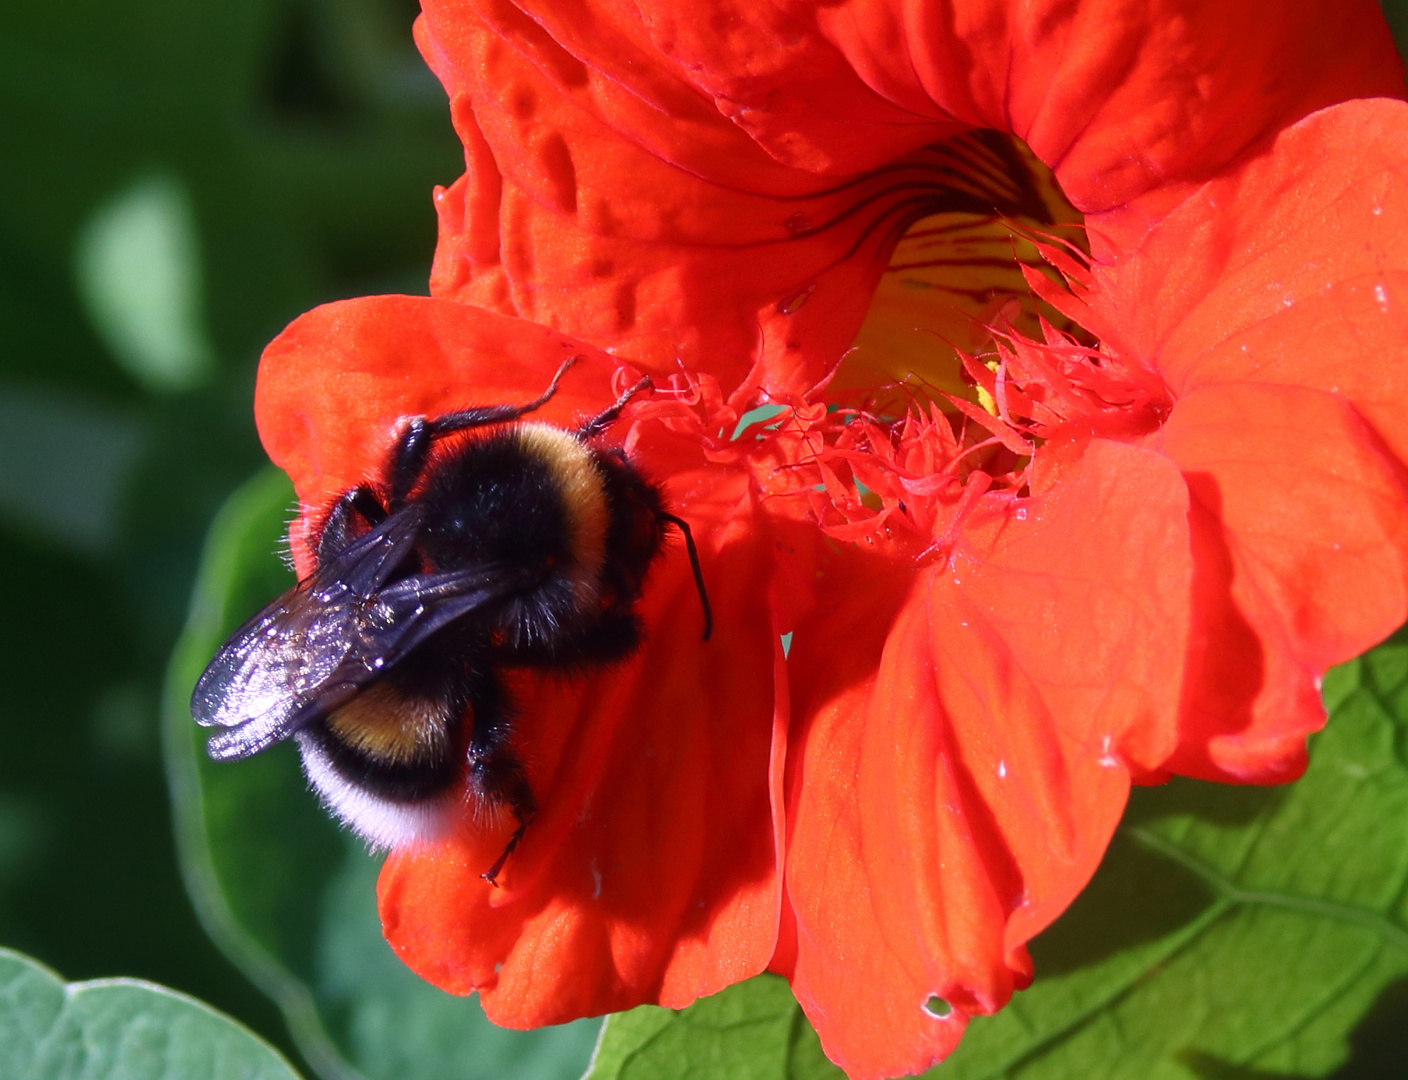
(339, 530)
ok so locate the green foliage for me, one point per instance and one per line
(139, 275)
(290, 898)
(752, 1031)
(119, 1029)
(1232, 933)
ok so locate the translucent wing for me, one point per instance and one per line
(314, 647)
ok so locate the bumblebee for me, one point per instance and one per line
(520, 544)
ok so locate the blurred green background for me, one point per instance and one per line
(180, 179)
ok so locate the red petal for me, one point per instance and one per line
(650, 874)
(967, 750)
(1302, 531)
(618, 191)
(1124, 97)
(1275, 302)
(680, 241)
(1293, 269)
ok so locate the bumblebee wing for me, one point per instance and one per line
(408, 611)
(365, 564)
(324, 645)
(279, 661)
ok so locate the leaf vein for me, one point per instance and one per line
(1388, 930)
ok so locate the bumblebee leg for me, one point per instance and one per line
(494, 771)
(338, 528)
(413, 450)
(597, 424)
(491, 875)
(683, 527)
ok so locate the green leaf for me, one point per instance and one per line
(1232, 933)
(752, 1031)
(290, 898)
(180, 180)
(119, 1029)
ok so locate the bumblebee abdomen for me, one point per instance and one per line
(388, 764)
(400, 748)
(386, 729)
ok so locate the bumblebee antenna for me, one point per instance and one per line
(683, 527)
(496, 414)
(599, 423)
(413, 450)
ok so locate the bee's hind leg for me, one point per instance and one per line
(491, 875)
(495, 773)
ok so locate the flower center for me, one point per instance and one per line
(963, 367)
(964, 222)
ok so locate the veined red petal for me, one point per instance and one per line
(622, 193)
(1292, 269)
(964, 746)
(626, 241)
(1275, 305)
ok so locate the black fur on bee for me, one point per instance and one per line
(518, 544)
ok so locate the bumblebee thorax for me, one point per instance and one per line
(529, 496)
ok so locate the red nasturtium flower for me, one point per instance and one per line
(1030, 550)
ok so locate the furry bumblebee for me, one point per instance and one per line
(522, 544)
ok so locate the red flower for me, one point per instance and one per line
(1109, 536)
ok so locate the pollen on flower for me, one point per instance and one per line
(972, 357)
(910, 436)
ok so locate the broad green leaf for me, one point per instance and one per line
(119, 1029)
(1232, 933)
(752, 1031)
(289, 897)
